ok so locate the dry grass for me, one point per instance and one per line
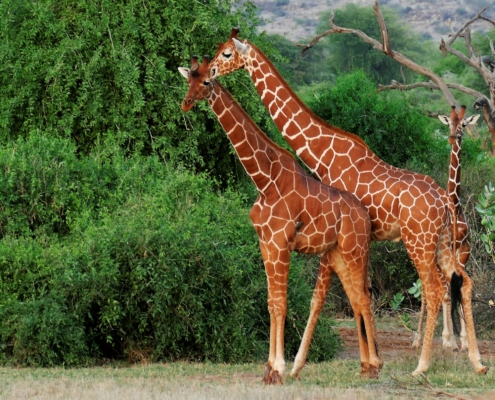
(333, 380)
(339, 379)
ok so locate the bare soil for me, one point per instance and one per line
(393, 342)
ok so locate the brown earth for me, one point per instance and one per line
(396, 341)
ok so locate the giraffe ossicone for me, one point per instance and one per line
(295, 212)
(403, 205)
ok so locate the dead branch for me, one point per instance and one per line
(425, 385)
(429, 85)
(437, 83)
(384, 47)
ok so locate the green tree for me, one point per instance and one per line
(106, 72)
(346, 52)
(299, 69)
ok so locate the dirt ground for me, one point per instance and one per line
(395, 341)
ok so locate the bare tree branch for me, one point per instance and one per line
(474, 60)
(429, 85)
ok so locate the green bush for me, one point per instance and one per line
(151, 261)
(106, 72)
(394, 130)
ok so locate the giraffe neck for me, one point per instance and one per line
(312, 138)
(257, 153)
(454, 184)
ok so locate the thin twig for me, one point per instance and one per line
(425, 384)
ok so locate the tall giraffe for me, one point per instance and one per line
(294, 212)
(403, 205)
(456, 123)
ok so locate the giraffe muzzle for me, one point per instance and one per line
(187, 104)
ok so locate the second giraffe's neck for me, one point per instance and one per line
(298, 124)
(454, 184)
(257, 153)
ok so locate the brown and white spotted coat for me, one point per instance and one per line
(402, 205)
(294, 212)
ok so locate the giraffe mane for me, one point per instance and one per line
(304, 106)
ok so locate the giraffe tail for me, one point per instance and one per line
(456, 298)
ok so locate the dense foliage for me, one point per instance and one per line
(116, 257)
(106, 72)
(394, 130)
(345, 52)
(124, 228)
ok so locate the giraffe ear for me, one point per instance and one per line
(184, 72)
(241, 47)
(471, 120)
(444, 119)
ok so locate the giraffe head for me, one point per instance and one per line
(457, 122)
(229, 57)
(200, 82)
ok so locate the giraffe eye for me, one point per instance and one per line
(226, 55)
(206, 83)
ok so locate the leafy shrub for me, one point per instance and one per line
(106, 72)
(486, 209)
(386, 122)
(151, 262)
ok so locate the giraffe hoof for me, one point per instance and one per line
(296, 377)
(450, 346)
(276, 379)
(266, 377)
(374, 373)
(483, 371)
(417, 373)
(416, 344)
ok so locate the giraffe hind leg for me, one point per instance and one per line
(319, 295)
(419, 333)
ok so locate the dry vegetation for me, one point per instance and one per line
(450, 373)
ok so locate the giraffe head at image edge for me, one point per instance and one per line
(229, 56)
(456, 123)
(200, 82)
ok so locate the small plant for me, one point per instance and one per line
(395, 304)
(486, 209)
(416, 289)
(396, 301)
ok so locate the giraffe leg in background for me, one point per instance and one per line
(448, 336)
(419, 333)
(353, 273)
(317, 302)
(467, 311)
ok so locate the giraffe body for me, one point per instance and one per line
(402, 205)
(295, 212)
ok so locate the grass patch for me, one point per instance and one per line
(338, 379)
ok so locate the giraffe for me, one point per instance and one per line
(456, 123)
(294, 212)
(403, 205)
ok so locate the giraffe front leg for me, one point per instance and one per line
(277, 270)
(434, 291)
(273, 337)
(319, 295)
